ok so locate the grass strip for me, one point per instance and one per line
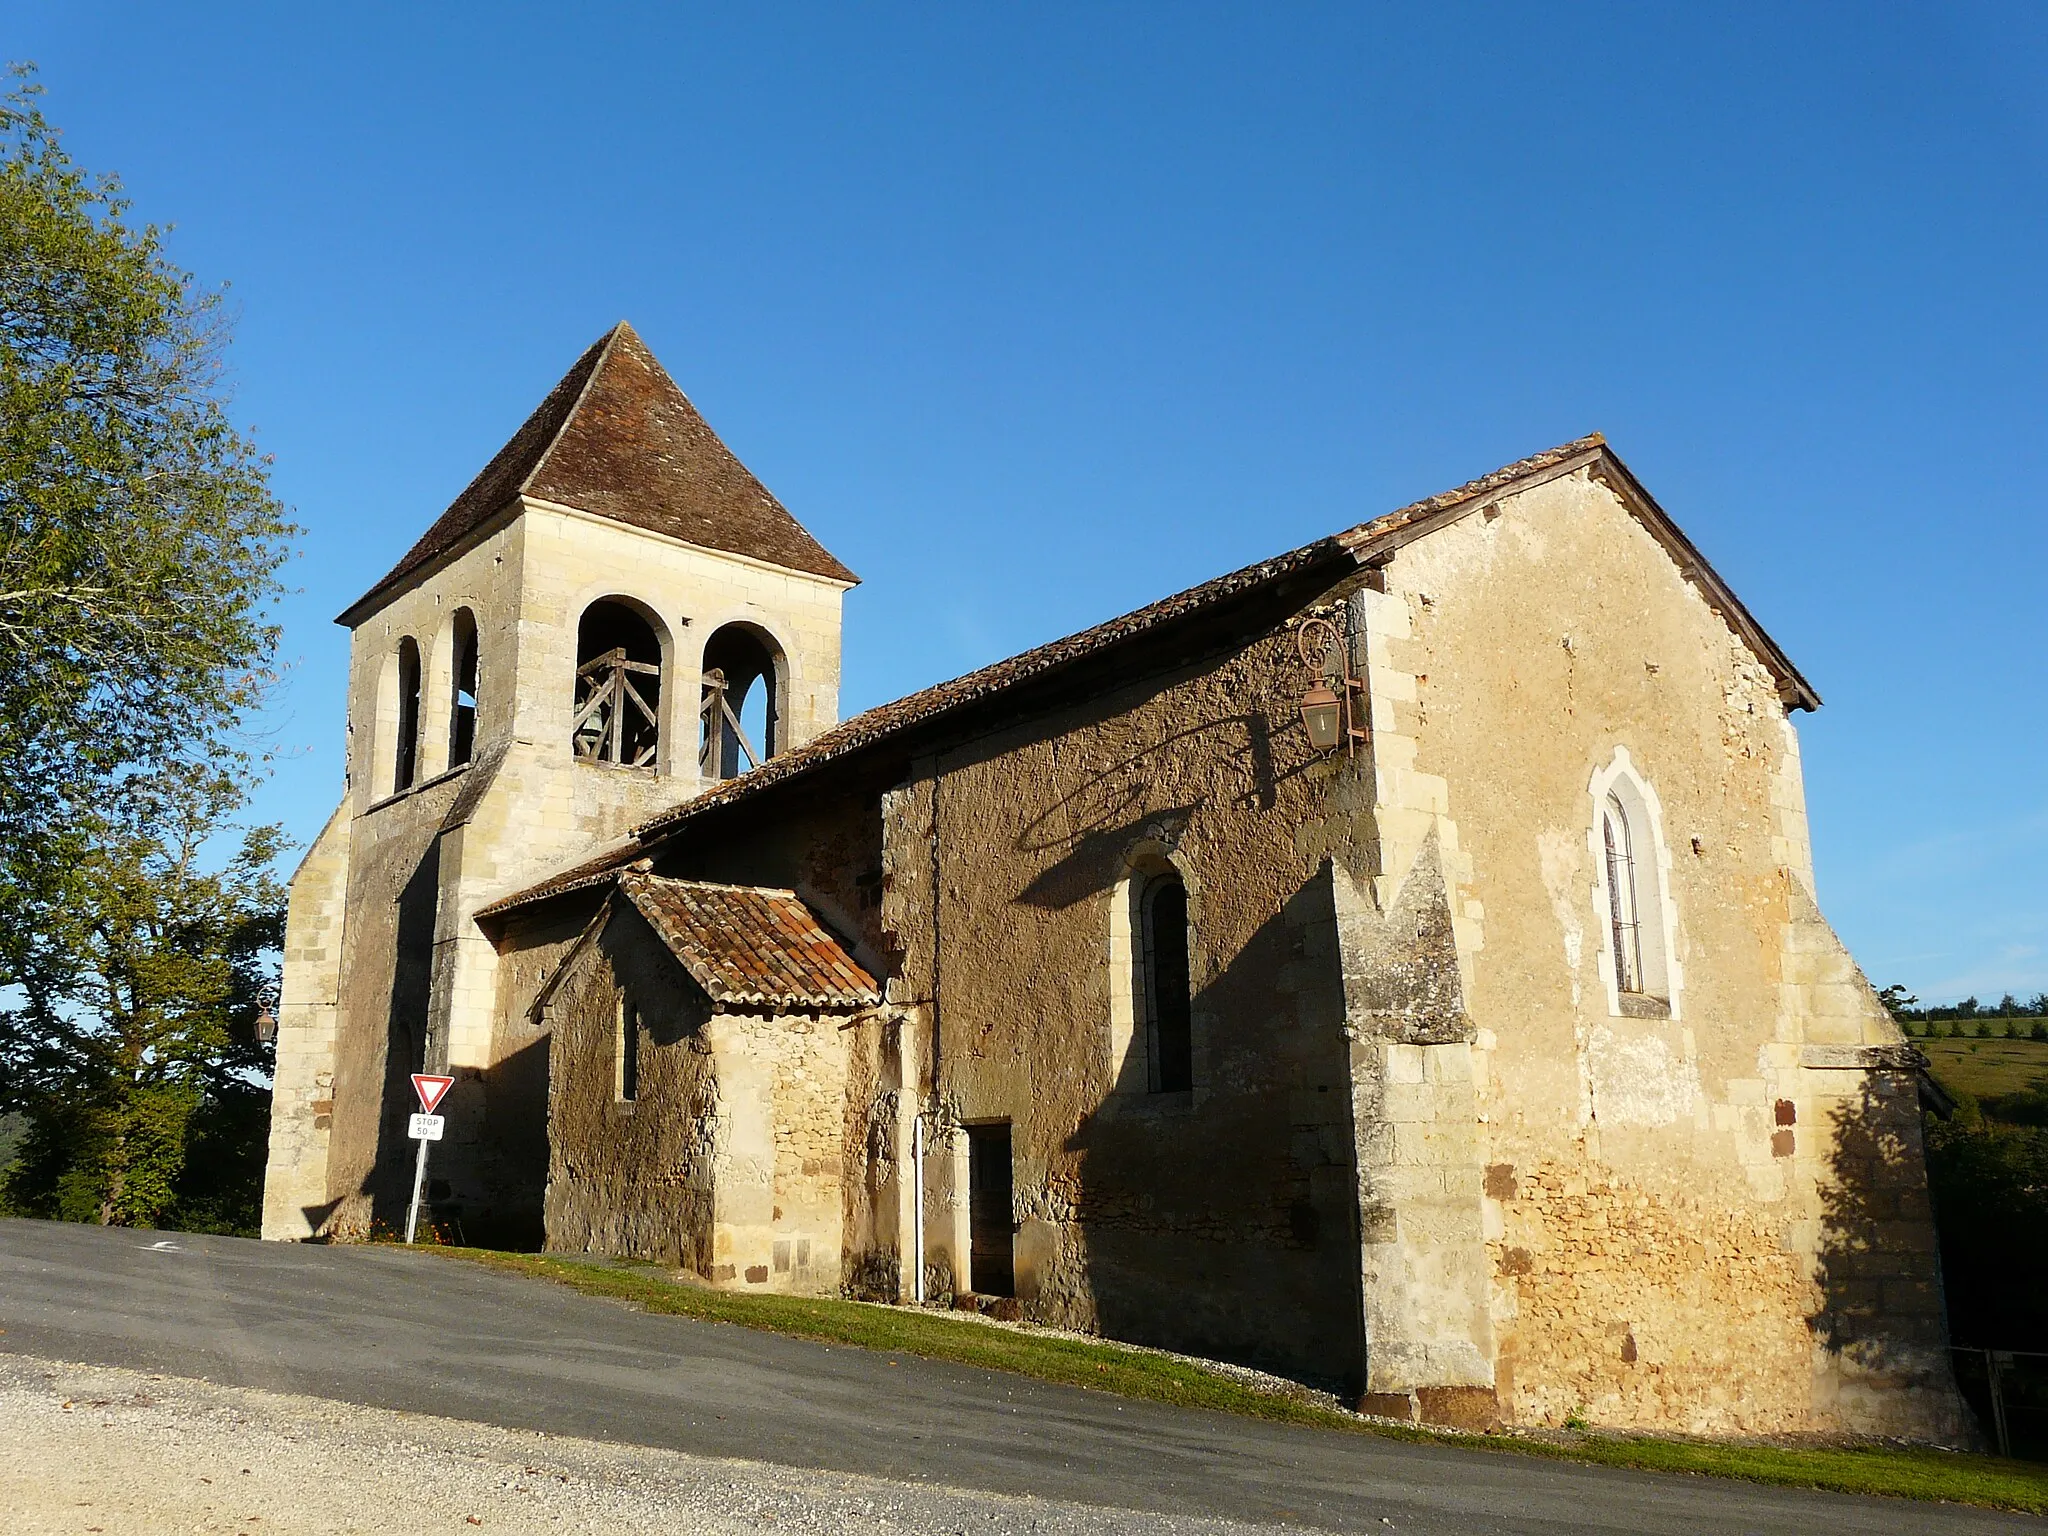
(1892, 1471)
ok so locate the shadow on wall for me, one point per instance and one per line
(1112, 803)
(1880, 1305)
(1224, 1222)
(389, 1184)
(516, 1149)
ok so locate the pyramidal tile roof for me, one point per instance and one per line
(749, 944)
(618, 439)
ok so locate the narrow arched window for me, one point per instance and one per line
(741, 712)
(462, 690)
(1633, 900)
(617, 705)
(1163, 978)
(406, 758)
(1624, 896)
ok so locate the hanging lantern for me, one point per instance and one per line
(1323, 713)
(1327, 714)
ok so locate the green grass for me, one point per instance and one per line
(1133, 1373)
(1987, 1069)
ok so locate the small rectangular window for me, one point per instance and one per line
(628, 1078)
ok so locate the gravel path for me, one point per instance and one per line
(95, 1449)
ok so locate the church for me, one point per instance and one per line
(1395, 964)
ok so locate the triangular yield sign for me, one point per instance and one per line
(431, 1089)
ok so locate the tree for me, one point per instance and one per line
(139, 540)
(139, 555)
(138, 1028)
(1898, 1002)
(1989, 1184)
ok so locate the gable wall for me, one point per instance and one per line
(1665, 1249)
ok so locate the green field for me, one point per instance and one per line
(1988, 1069)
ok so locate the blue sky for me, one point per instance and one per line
(1033, 316)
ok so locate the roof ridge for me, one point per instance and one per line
(1479, 485)
(611, 340)
(711, 885)
(858, 731)
(1364, 543)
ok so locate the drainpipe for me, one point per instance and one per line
(916, 1208)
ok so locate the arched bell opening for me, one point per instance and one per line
(462, 681)
(740, 718)
(616, 718)
(405, 760)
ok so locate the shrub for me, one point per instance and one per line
(1990, 1189)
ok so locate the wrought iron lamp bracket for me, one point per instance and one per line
(1331, 708)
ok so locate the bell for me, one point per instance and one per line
(1323, 713)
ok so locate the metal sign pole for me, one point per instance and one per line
(419, 1179)
(425, 1126)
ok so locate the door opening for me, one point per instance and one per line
(992, 1231)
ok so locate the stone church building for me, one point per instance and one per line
(1395, 963)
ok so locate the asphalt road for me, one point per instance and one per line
(390, 1329)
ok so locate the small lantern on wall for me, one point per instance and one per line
(1329, 710)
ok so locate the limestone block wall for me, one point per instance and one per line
(1666, 1183)
(383, 1004)
(687, 593)
(781, 1144)
(295, 1196)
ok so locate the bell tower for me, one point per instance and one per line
(612, 617)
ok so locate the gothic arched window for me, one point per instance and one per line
(617, 703)
(1636, 921)
(1624, 899)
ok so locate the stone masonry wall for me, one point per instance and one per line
(295, 1197)
(463, 836)
(1660, 1185)
(634, 1179)
(728, 1161)
(1218, 1219)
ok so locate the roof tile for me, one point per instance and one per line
(618, 439)
(750, 945)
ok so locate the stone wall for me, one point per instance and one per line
(728, 1160)
(1658, 1179)
(295, 1190)
(410, 981)
(1218, 1219)
(634, 1179)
